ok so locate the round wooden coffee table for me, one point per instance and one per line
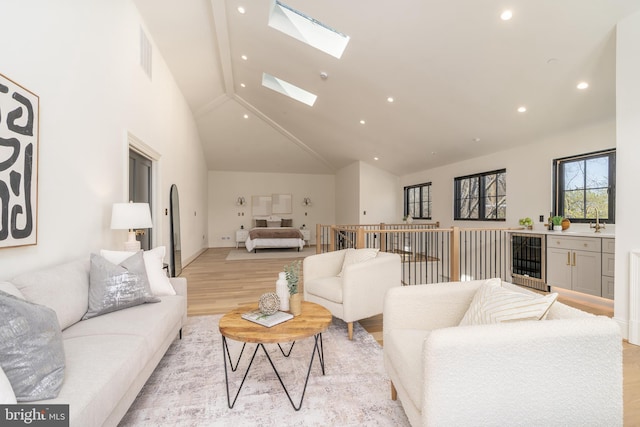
(312, 322)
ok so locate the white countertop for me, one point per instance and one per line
(575, 232)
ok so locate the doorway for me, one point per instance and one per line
(140, 189)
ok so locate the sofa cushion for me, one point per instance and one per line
(64, 288)
(11, 289)
(329, 288)
(153, 261)
(152, 322)
(100, 371)
(354, 256)
(404, 348)
(115, 287)
(7, 396)
(31, 351)
(494, 304)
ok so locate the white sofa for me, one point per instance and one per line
(359, 292)
(108, 358)
(562, 371)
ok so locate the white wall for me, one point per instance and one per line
(83, 64)
(348, 194)
(380, 195)
(628, 172)
(226, 187)
(529, 175)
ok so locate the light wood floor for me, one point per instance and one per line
(217, 286)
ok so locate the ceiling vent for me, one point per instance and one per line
(146, 53)
(307, 29)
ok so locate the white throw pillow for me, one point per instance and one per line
(7, 396)
(354, 256)
(160, 284)
(494, 304)
(158, 280)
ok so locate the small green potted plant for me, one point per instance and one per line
(557, 223)
(526, 222)
(292, 274)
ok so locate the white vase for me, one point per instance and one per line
(282, 290)
(409, 219)
(557, 228)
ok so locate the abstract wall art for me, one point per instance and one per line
(19, 131)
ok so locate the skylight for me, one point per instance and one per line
(288, 89)
(308, 30)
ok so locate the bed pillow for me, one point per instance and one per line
(287, 222)
(272, 224)
(31, 350)
(354, 256)
(159, 283)
(261, 222)
(494, 304)
(116, 287)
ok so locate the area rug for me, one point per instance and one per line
(241, 254)
(187, 388)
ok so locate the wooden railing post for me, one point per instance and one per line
(383, 238)
(360, 238)
(319, 238)
(454, 274)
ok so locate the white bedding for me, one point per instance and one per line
(273, 243)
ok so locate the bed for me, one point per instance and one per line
(274, 233)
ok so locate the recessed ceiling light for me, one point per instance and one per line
(506, 15)
(241, 9)
(244, 57)
(582, 85)
(246, 116)
(522, 109)
(362, 122)
(376, 158)
(390, 99)
(476, 139)
(433, 153)
(243, 85)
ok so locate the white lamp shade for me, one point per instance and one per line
(128, 216)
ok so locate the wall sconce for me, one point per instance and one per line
(134, 217)
(306, 201)
(241, 201)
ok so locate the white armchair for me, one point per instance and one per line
(565, 370)
(359, 293)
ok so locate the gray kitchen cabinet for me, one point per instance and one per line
(575, 263)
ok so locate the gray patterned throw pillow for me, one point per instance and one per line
(115, 287)
(31, 350)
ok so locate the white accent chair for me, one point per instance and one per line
(565, 370)
(359, 293)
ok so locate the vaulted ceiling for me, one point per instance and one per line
(456, 71)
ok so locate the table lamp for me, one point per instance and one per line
(133, 217)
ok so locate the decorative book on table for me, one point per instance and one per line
(267, 320)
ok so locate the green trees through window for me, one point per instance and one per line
(584, 185)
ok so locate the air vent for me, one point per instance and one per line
(146, 53)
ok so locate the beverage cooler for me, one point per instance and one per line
(528, 260)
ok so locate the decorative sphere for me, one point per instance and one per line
(269, 303)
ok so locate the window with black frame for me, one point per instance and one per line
(417, 201)
(584, 186)
(481, 196)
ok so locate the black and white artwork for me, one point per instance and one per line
(19, 116)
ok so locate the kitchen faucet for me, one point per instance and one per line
(597, 225)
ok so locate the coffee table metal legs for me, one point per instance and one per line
(317, 348)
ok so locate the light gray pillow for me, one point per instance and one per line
(115, 287)
(31, 350)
